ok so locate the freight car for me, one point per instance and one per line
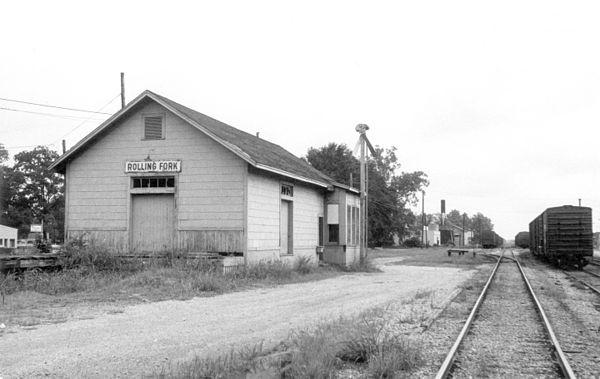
(491, 240)
(563, 235)
(522, 240)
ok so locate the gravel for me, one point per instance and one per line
(574, 314)
(144, 338)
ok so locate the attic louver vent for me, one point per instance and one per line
(153, 127)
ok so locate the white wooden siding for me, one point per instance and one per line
(263, 218)
(209, 193)
(8, 233)
(263, 213)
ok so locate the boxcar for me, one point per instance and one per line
(491, 240)
(522, 240)
(563, 235)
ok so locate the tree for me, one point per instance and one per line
(35, 193)
(479, 224)
(390, 194)
(3, 154)
(456, 218)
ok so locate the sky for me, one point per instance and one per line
(497, 102)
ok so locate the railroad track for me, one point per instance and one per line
(507, 333)
(588, 278)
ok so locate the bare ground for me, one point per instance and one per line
(143, 338)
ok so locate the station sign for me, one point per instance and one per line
(152, 166)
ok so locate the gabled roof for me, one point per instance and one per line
(257, 152)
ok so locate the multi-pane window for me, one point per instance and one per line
(352, 228)
(154, 182)
(153, 127)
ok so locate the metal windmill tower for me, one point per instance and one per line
(363, 142)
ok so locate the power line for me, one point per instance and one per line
(50, 114)
(72, 130)
(84, 121)
(52, 106)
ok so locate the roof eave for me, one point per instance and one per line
(293, 176)
(61, 161)
(59, 164)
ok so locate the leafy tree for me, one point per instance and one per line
(35, 193)
(390, 194)
(479, 224)
(456, 218)
(3, 154)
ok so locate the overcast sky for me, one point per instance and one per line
(498, 102)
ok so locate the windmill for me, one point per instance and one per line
(362, 143)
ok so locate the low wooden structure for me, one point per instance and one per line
(26, 261)
(459, 251)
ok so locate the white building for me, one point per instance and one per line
(159, 177)
(8, 236)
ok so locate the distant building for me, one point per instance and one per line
(433, 235)
(8, 236)
(159, 177)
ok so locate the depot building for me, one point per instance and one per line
(158, 177)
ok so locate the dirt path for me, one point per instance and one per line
(145, 337)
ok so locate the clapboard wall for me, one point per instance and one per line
(264, 201)
(209, 192)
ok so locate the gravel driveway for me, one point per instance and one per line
(145, 337)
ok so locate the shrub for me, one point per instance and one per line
(235, 364)
(304, 265)
(78, 254)
(412, 242)
(365, 265)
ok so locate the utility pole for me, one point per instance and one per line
(122, 90)
(463, 230)
(423, 237)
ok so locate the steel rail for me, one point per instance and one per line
(445, 368)
(562, 359)
(583, 282)
(591, 273)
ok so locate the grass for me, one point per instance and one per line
(93, 277)
(367, 343)
(434, 256)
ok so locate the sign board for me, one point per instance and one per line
(152, 166)
(35, 228)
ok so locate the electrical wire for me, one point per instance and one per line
(52, 106)
(84, 121)
(48, 114)
(90, 118)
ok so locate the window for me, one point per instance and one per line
(321, 231)
(334, 233)
(333, 223)
(352, 228)
(153, 127)
(154, 182)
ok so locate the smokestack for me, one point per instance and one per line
(443, 210)
(257, 134)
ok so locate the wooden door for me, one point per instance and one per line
(285, 227)
(152, 226)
